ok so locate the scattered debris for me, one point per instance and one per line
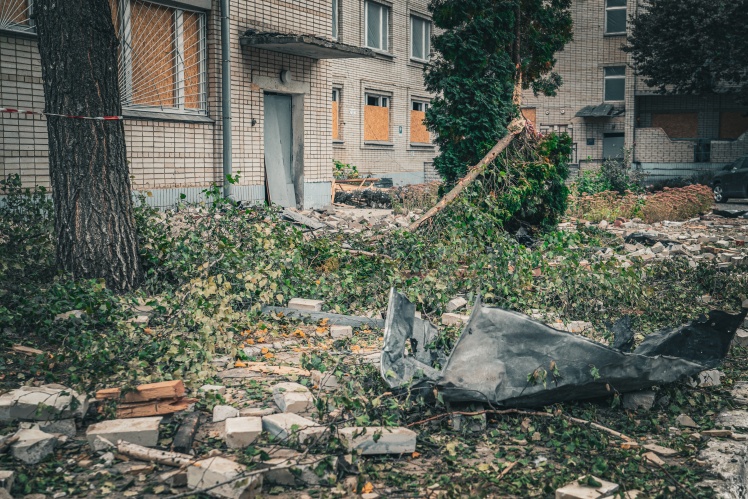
(288, 425)
(734, 419)
(449, 319)
(339, 331)
(224, 412)
(686, 421)
(33, 446)
(709, 378)
(306, 304)
(219, 389)
(634, 401)
(141, 431)
(235, 482)
(660, 450)
(574, 367)
(26, 350)
(456, 304)
(242, 432)
(741, 338)
(378, 440)
(332, 319)
(6, 479)
(141, 453)
(44, 403)
(185, 434)
(587, 487)
(154, 399)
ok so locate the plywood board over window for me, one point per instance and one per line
(192, 46)
(376, 124)
(677, 125)
(419, 134)
(153, 55)
(335, 121)
(733, 124)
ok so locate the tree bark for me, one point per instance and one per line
(94, 222)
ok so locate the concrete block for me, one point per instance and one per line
(6, 479)
(390, 441)
(242, 432)
(44, 403)
(337, 332)
(33, 446)
(217, 470)
(219, 389)
(141, 431)
(456, 304)
(224, 412)
(256, 412)
(66, 427)
(639, 400)
(741, 338)
(325, 381)
(575, 490)
(712, 377)
(288, 425)
(449, 319)
(292, 397)
(306, 304)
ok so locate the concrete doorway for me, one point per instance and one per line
(279, 149)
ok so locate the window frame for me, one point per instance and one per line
(126, 62)
(607, 78)
(380, 98)
(608, 10)
(15, 29)
(384, 31)
(426, 38)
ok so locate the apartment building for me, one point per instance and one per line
(305, 79)
(610, 112)
(379, 104)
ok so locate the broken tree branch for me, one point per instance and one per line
(141, 453)
(515, 127)
(578, 421)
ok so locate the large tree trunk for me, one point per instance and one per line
(94, 221)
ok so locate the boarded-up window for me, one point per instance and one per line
(677, 125)
(377, 118)
(161, 55)
(531, 115)
(15, 15)
(419, 134)
(732, 124)
(335, 114)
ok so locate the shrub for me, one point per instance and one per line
(344, 170)
(614, 175)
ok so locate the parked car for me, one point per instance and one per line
(731, 181)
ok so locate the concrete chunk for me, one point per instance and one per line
(216, 470)
(6, 479)
(44, 403)
(288, 425)
(450, 319)
(256, 412)
(325, 381)
(300, 472)
(337, 332)
(224, 412)
(741, 338)
(141, 431)
(378, 440)
(456, 304)
(704, 379)
(33, 446)
(293, 397)
(575, 490)
(639, 400)
(219, 389)
(735, 419)
(686, 421)
(65, 427)
(306, 304)
(242, 432)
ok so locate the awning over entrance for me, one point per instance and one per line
(599, 111)
(310, 46)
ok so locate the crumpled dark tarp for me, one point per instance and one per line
(498, 349)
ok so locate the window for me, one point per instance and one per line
(615, 17)
(335, 114)
(420, 38)
(419, 134)
(377, 118)
(377, 26)
(15, 15)
(161, 56)
(335, 19)
(615, 83)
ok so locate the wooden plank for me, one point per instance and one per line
(159, 408)
(186, 433)
(146, 393)
(261, 367)
(26, 350)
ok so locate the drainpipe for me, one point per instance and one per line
(226, 96)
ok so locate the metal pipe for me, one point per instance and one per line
(226, 97)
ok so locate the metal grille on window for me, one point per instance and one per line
(161, 57)
(15, 15)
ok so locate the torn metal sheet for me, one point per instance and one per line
(506, 358)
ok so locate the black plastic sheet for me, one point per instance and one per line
(506, 358)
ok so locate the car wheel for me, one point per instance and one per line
(719, 196)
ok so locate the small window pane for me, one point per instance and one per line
(615, 3)
(385, 23)
(615, 89)
(384, 101)
(372, 100)
(418, 106)
(335, 19)
(427, 39)
(615, 71)
(335, 96)
(615, 21)
(417, 39)
(373, 25)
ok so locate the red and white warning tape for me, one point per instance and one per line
(98, 118)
